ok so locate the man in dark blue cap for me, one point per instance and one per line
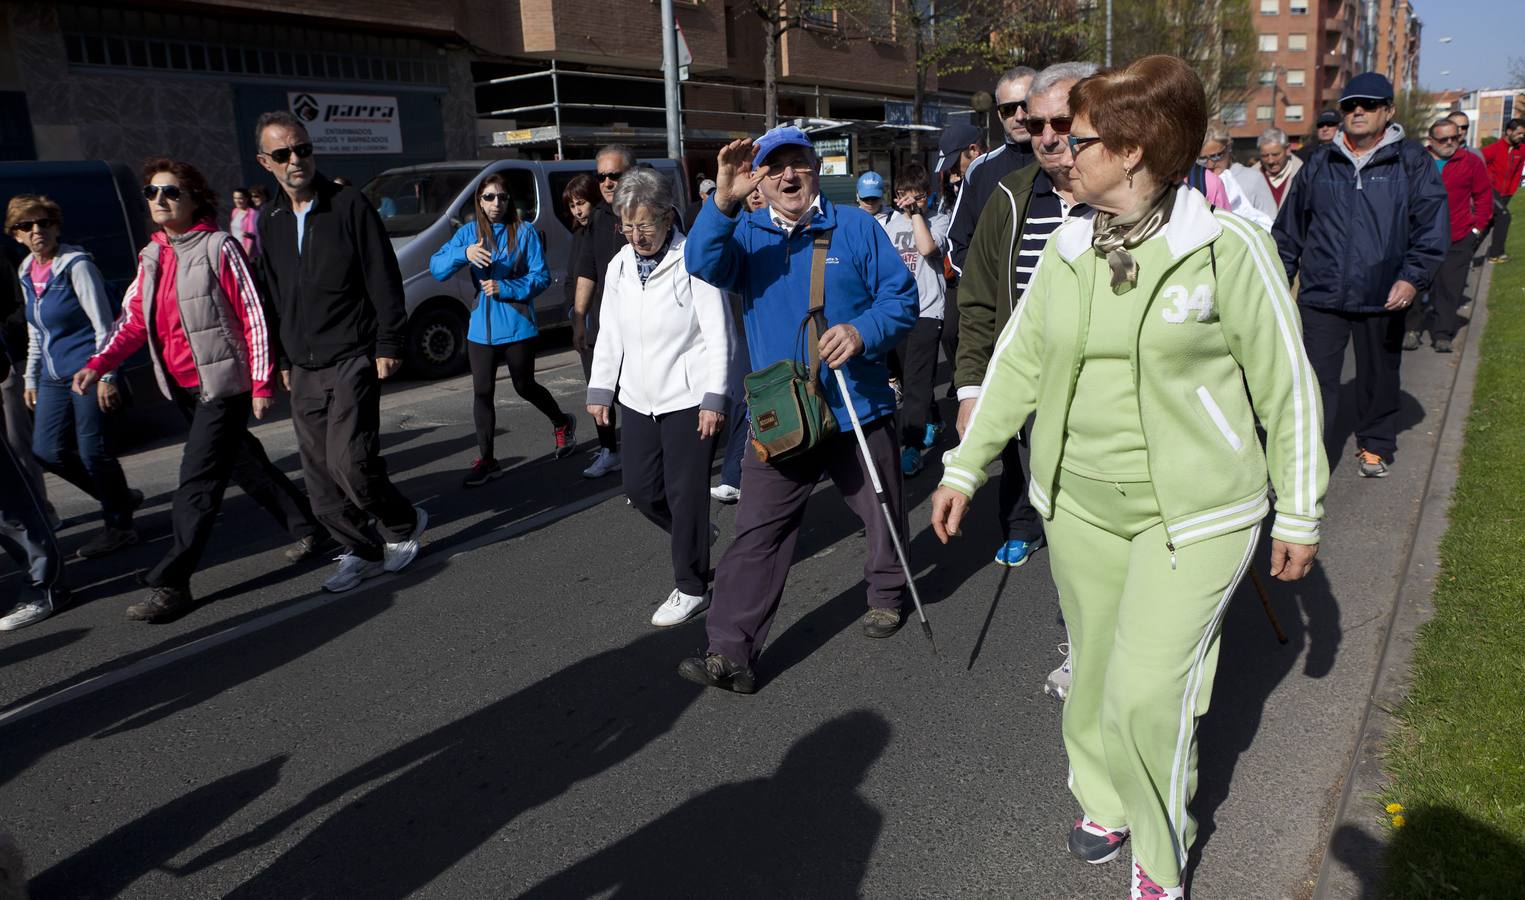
(1365, 226)
(769, 257)
(1324, 131)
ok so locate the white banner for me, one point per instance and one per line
(348, 124)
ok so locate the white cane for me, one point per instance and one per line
(884, 505)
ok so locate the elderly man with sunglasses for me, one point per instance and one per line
(1364, 228)
(982, 175)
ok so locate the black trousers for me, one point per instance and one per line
(520, 359)
(1447, 293)
(336, 411)
(1019, 520)
(950, 336)
(219, 449)
(24, 530)
(917, 361)
(1378, 341)
(666, 469)
(608, 435)
(1500, 224)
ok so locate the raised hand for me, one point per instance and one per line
(734, 176)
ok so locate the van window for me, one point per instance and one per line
(559, 180)
(409, 202)
(521, 187)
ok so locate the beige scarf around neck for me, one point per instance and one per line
(1116, 234)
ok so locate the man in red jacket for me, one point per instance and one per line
(1470, 200)
(1506, 161)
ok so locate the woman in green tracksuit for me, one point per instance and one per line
(1155, 332)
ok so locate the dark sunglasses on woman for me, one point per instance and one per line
(170, 191)
(493, 197)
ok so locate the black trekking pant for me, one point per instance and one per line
(1378, 341)
(1500, 224)
(666, 469)
(1447, 292)
(917, 361)
(520, 359)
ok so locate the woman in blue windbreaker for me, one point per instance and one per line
(509, 271)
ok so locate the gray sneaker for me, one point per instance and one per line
(31, 612)
(1372, 464)
(109, 541)
(397, 555)
(352, 570)
(1411, 340)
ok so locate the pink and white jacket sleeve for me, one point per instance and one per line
(238, 286)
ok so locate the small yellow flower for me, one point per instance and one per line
(1398, 821)
(1394, 808)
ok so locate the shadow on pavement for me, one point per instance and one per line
(39, 646)
(1339, 430)
(752, 838)
(1439, 852)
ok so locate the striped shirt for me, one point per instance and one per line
(1046, 211)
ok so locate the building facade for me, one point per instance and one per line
(1309, 50)
(1396, 35)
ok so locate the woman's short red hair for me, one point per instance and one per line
(1156, 103)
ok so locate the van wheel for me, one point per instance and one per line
(437, 342)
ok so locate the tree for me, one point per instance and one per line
(1039, 33)
(1415, 111)
(778, 18)
(1216, 36)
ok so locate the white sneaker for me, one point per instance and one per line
(604, 462)
(1058, 683)
(680, 607)
(396, 555)
(352, 570)
(28, 613)
(725, 493)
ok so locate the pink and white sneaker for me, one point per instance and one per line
(1144, 888)
(1096, 844)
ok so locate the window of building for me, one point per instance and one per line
(1235, 114)
(1270, 7)
(1268, 43)
(1263, 113)
(1296, 42)
(1298, 7)
(1267, 76)
(1297, 76)
(1295, 112)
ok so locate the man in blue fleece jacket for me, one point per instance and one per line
(871, 304)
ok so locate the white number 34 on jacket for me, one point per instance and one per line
(1179, 306)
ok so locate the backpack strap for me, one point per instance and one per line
(817, 312)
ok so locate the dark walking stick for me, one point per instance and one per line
(1265, 604)
(884, 504)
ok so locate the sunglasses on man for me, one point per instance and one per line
(1060, 124)
(282, 156)
(168, 191)
(1448, 139)
(1007, 110)
(25, 226)
(1369, 104)
(609, 176)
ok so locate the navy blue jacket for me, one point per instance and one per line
(1350, 234)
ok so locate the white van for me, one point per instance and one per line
(422, 206)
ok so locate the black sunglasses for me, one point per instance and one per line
(26, 225)
(283, 155)
(1447, 140)
(1078, 144)
(1366, 103)
(169, 191)
(491, 197)
(1007, 110)
(1060, 124)
(610, 176)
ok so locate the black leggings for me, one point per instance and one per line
(520, 359)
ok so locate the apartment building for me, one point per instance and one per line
(1494, 108)
(1309, 50)
(1395, 32)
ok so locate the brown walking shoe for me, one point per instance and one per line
(714, 670)
(882, 623)
(163, 604)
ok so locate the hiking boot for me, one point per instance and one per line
(1058, 683)
(397, 555)
(1145, 888)
(714, 670)
(352, 570)
(109, 541)
(134, 499)
(679, 608)
(483, 471)
(1411, 340)
(308, 547)
(30, 612)
(566, 438)
(910, 462)
(604, 462)
(882, 623)
(1096, 844)
(726, 494)
(1442, 346)
(1501, 258)
(1016, 553)
(162, 605)
(1372, 465)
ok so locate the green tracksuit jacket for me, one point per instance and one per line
(1215, 350)
(986, 294)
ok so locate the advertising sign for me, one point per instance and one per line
(348, 124)
(833, 154)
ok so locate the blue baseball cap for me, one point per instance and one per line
(1368, 85)
(870, 185)
(782, 136)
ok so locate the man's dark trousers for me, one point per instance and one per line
(1447, 292)
(24, 530)
(1500, 224)
(1019, 521)
(666, 470)
(750, 580)
(918, 371)
(219, 449)
(1378, 342)
(336, 411)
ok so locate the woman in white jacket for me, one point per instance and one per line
(664, 349)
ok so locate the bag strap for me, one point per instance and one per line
(816, 314)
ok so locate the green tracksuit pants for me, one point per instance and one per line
(1144, 644)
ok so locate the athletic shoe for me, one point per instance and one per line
(726, 494)
(134, 499)
(566, 438)
(1411, 340)
(162, 605)
(714, 670)
(397, 555)
(934, 431)
(1372, 465)
(352, 570)
(308, 547)
(1442, 346)
(1145, 888)
(882, 623)
(109, 541)
(714, 533)
(910, 462)
(1096, 844)
(31, 612)
(679, 608)
(1502, 258)
(1017, 553)
(1465, 310)
(1058, 683)
(483, 471)
(604, 462)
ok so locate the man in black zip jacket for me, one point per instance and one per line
(985, 172)
(337, 299)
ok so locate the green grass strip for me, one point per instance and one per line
(1456, 804)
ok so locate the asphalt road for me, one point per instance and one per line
(501, 719)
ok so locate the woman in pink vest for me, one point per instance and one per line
(195, 305)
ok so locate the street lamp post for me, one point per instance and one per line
(670, 81)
